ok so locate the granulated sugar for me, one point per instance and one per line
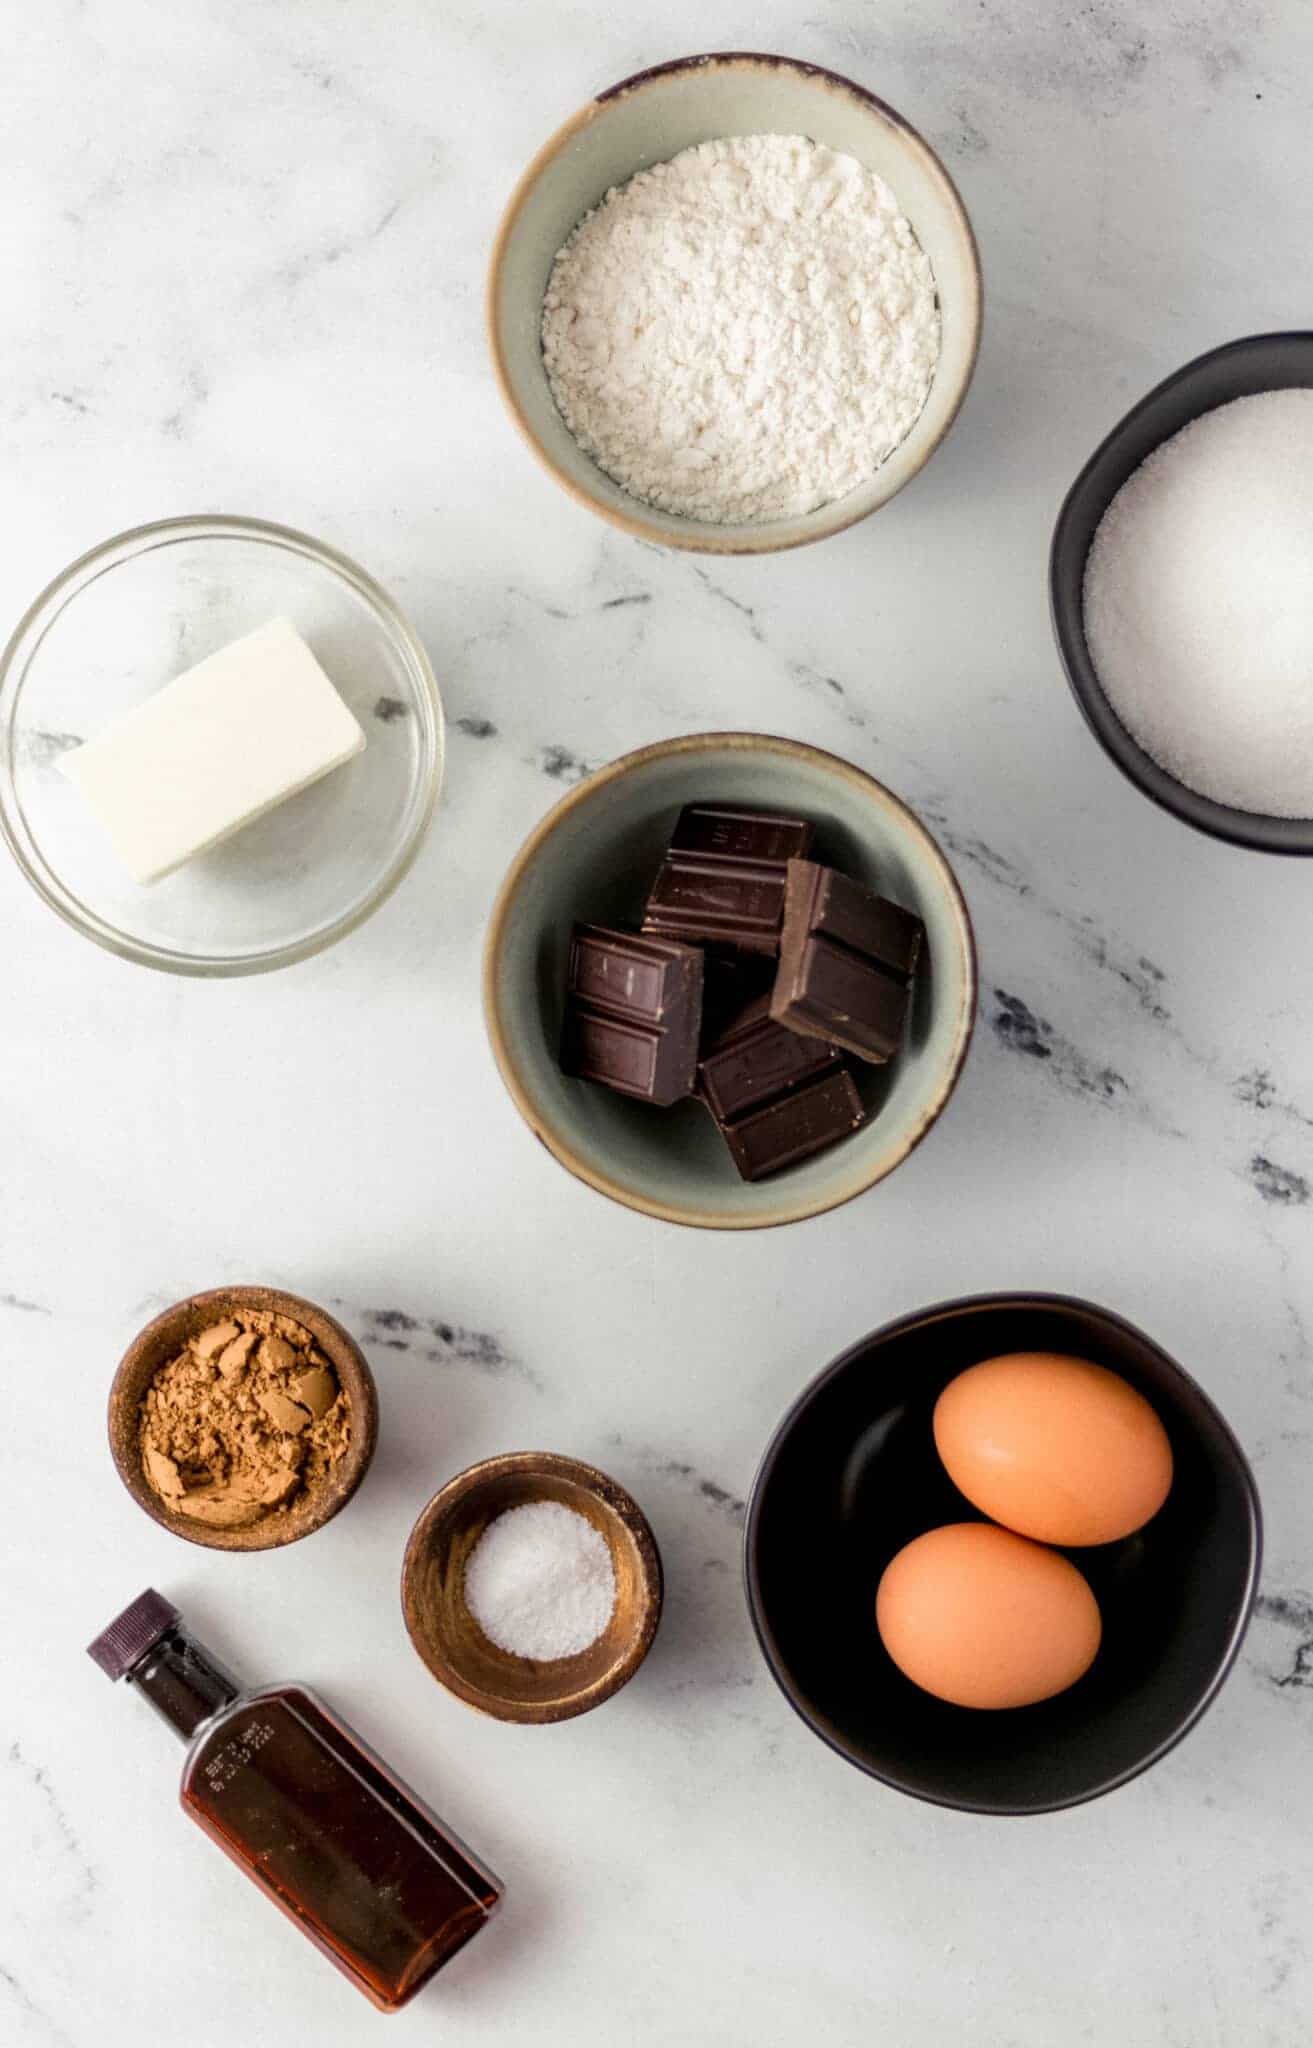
(1199, 604)
(540, 1582)
(742, 333)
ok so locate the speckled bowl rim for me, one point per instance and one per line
(828, 519)
(618, 1501)
(558, 1144)
(360, 1450)
(965, 1306)
(1259, 831)
(64, 589)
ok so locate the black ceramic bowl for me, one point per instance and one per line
(1262, 362)
(851, 1475)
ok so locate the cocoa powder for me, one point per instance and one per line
(246, 1421)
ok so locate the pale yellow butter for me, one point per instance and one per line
(214, 750)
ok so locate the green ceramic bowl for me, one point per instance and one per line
(592, 858)
(649, 118)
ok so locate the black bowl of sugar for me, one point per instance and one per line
(1181, 587)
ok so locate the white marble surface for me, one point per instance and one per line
(241, 254)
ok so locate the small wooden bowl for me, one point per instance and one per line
(451, 1642)
(164, 1338)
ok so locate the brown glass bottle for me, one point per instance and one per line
(308, 1811)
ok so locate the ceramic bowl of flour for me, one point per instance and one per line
(646, 121)
(593, 857)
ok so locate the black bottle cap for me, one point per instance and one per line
(129, 1636)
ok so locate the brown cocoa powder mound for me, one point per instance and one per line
(246, 1421)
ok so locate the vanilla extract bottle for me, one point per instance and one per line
(307, 1810)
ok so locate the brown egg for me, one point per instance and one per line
(978, 1616)
(1054, 1447)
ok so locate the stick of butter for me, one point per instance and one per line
(213, 750)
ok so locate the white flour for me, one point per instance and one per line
(744, 332)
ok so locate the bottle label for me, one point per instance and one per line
(223, 1766)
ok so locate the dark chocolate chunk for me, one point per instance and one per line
(753, 1060)
(633, 1013)
(722, 879)
(806, 1120)
(847, 957)
(730, 981)
(777, 1097)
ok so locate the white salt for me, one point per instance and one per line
(540, 1582)
(1199, 604)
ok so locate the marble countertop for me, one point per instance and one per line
(241, 256)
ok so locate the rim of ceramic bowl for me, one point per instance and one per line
(558, 1144)
(967, 1305)
(349, 1364)
(636, 522)
(1256, 830)
(40, 617)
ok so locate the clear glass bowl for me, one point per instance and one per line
(126, 619)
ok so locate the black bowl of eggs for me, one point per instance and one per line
(1002, 1553)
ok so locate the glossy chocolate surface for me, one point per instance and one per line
(802, 1122)
(753, 1060)
(722, 879)
(847, 957)
(633, 1013)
